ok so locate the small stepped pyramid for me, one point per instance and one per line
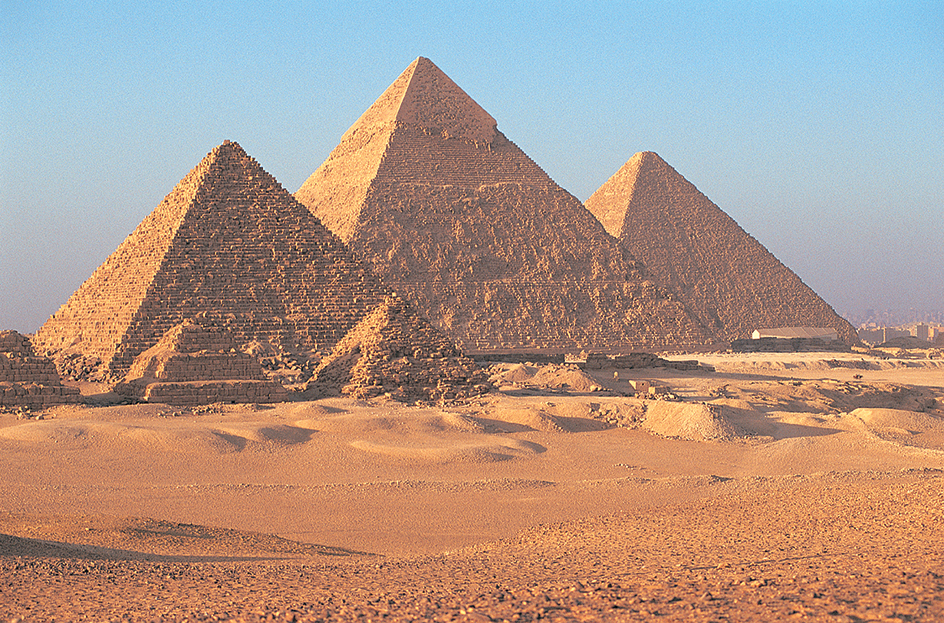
(197, 363)
(27, 380)
(462, 223)
(396, 351)
(727, 278)
(228, 240)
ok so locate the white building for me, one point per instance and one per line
(785, 333)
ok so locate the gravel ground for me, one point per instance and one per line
(836, 547)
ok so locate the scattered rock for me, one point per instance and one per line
(397, 353)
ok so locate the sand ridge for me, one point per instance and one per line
(526, 502)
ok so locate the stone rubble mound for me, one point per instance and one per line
(395, 351)
(729, 280)
(460, 222)
(196, 362)
(228, 240)
(694, 421)
(27, 380)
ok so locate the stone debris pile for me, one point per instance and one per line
(460, 222)
(729, 280)
(196, 362)
(228, 240)
(27, 380)
(394, 351)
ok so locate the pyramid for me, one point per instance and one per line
(196, 362)
(228, 240)
(394, 350)
(459, 221)
(727, 278)
(27, 380)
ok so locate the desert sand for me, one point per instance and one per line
(778, 485)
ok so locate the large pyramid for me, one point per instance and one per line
(726, 277)
(230, 241)
(458, 220)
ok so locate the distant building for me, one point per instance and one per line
(872, 336)
(890, 333)
(921, 332)
(938, 337)
(786, 333)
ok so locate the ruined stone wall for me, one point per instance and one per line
(396, 351)
(209, 366)
(195, 363)
(27, 380)
(14, 369)
(209, 392)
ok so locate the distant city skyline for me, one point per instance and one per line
(895, 317)
(816, 126)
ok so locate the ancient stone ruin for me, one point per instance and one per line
(196, 362)
(460, 222)
(228, 240)
(27, 380)
(396, 351)
(727, 278)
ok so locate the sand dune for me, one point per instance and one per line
(222, 438)
(760, 489)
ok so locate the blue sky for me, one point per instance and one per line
(816, 126)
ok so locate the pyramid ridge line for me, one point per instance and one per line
(686, 241)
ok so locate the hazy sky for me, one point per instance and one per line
(816, 125)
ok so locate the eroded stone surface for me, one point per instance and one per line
(196, 362)
(27, 380)
(396, 351)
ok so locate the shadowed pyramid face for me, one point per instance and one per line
(230, 241)
(726, 277)
(460, 221)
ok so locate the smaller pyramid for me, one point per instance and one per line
(729, 280)
(229, 240)
(396, 351)
(27, 380)
(196, 362)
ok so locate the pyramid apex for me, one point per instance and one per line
(436, 103)
(229, 147)
(686, 241)
(645, 157)
(424, 96)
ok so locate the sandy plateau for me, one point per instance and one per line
(775, 486)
